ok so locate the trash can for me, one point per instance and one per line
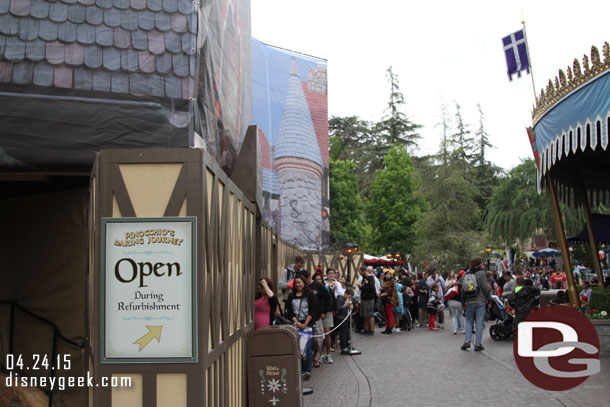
(274, 367)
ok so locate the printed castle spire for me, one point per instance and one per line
(299, 165)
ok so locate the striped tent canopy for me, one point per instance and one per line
(570, 134)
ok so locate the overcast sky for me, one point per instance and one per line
(442, 51)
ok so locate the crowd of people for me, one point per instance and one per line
(320, 304)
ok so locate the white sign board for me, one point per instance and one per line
(148, 290)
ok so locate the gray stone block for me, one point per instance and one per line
(43, 74)
(69, 1)
(139, 40)
(5, 6)
(47, 30)
(9, 25)
(119, 83)
(58, 12)
(137, 84)
(163, 21)
(67, 32)
(94, 15)
(189, 43)
(105, 4)
(156, 85)
(112, 17)
(23, 72)
(112, 59)
(191, 23)
(85, 34)
(93, 56)
(83, 79)
(129, 60)
(180, 63)
(28, 29)
(146, 20)
(193, 64)
(104, 35)
(129, 20)
(14, 50)
(154, 5)
(185, 6)
(35, 50)
(170, 6)
(76, 13)
(121, 4)
(164, 63)
(122, 38)
(101, 81)
(38, 8)
(173, 42)
(173, 87)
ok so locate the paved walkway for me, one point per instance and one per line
(427, 368)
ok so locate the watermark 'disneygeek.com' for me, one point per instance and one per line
(51, 374)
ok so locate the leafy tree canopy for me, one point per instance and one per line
(395, 203)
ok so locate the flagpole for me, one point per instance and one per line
(529, 55)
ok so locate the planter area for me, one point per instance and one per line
(603, 331)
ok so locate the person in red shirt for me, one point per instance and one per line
(558, 280)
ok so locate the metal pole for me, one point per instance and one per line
(593, 243)
(563, 244)
(529, 57)
(352, 351)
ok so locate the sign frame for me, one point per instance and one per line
(105, 221)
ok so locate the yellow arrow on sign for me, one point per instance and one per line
(153, 332)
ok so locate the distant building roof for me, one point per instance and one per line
(297, 137)
(135, 47)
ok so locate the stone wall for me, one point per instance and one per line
(301, 208)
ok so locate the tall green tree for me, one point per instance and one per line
(462, 142)
(447, 232)
(346, 208)
(516, 211)
(395, 128)
(395, 203)
(484, 173)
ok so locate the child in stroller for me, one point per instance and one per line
(503, 328)
(525, 298)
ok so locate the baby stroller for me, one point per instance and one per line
(503, 328)
(379, 314)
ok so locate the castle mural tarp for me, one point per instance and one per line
(290, 108)
(80, 76)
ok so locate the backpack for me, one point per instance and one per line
(470, 286)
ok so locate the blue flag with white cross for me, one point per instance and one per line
(515, 50)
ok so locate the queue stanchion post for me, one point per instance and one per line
(352, 351)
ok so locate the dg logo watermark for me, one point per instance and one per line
(557, 348)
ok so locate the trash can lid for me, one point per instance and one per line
(273, 341)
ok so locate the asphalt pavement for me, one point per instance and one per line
(427, 368)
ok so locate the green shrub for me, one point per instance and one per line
(600, 300)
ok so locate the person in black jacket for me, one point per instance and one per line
(368, 294)
(301, 309)
(344, 305)
(523, 300)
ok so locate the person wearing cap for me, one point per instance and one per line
(455, 306)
